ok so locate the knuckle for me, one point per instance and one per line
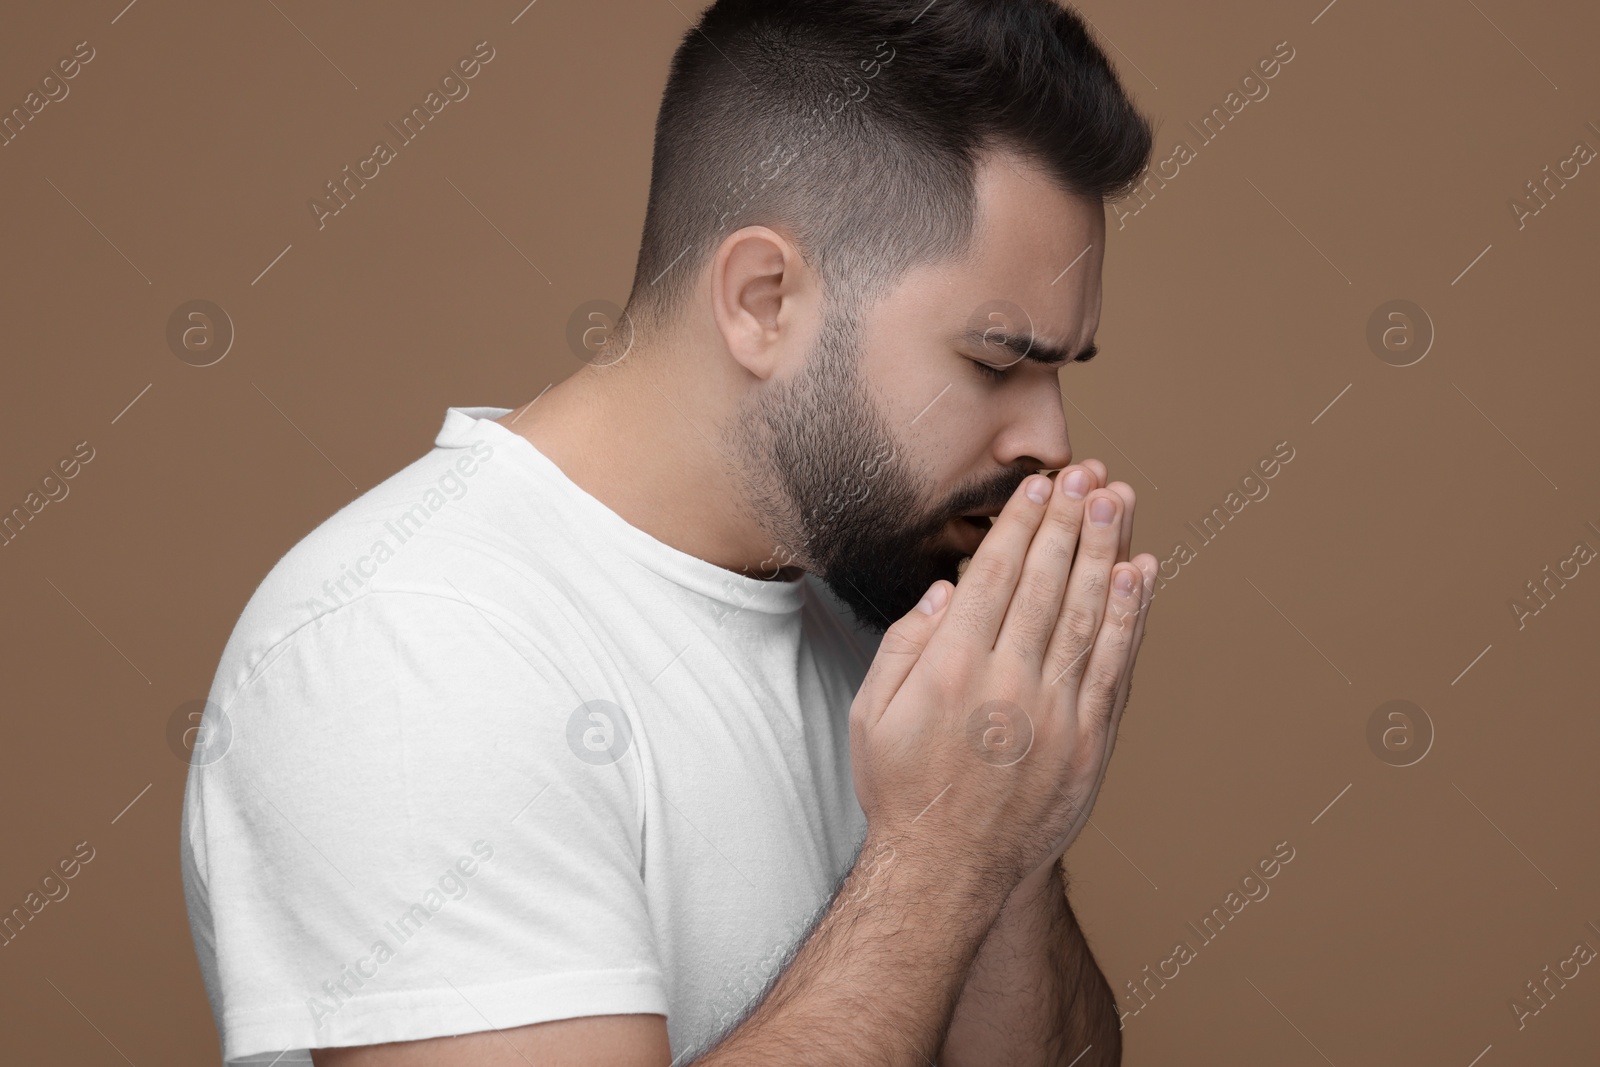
(1082, 764)
(1100, 690)
(990, 569)
(1032, 612)
(1100, 542)
(1037, 591)
(972, 623)
(897, 641)
(1056, 543)
(1079, 624)
(871, 687)
(1055, 546)
(1066, 670)
(858, 726)
(1092, 583)
(1121, 616)
(1022, 510)
(1012, 516)
(1063, 521)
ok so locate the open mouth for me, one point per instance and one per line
(970, 531)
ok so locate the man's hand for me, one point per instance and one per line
(1034, 994)
(983, 743)
(1095, 471)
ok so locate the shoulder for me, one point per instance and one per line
(447, 538)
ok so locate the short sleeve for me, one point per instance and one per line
(415, 829)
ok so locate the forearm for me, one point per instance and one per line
(1035, 996)
(877, 979)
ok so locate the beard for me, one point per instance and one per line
(828, 481)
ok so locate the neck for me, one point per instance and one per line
(655, 454)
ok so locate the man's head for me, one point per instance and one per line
(854, 206)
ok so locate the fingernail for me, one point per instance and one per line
(932, 600)
(1038, 489)
(1101, 509)
(1123, 583)
(1076, 484)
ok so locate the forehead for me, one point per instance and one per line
(1035, 257)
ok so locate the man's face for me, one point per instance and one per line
(893, 429)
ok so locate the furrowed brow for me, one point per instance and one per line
(1029, 348)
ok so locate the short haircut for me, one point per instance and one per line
(855, 127)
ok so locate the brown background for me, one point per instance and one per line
(1236, 306)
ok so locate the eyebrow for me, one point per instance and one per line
(1029, 348)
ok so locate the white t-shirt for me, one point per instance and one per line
(481, 754)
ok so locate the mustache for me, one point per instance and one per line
(996, 493)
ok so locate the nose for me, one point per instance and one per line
(1040, 438)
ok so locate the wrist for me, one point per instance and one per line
(906, 869)
(1040, 899)
(1045, 878)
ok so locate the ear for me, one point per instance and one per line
(763, 299)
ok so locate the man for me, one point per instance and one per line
(643, 723)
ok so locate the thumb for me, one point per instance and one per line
(898, 652)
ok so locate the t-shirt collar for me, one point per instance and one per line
(463, 425)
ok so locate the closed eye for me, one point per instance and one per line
(1044, 357)
(1000, 374)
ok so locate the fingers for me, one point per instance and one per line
(1031, 617)
(1099, 470)
(902, 645)
(1147, 565)
(1112, 653)
(986, 587)
(1124, 490)
(1085, 605)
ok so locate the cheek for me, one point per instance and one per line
(945, 452)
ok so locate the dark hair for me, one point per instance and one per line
(855, 127)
